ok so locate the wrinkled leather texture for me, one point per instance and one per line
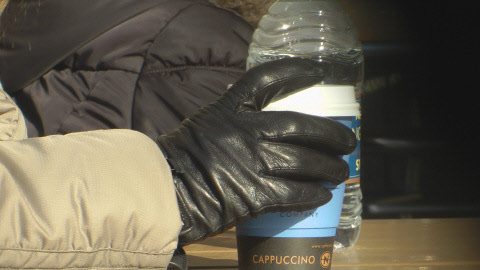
(232, 162)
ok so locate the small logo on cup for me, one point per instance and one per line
(326, 259)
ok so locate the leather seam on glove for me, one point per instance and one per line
(273, 138)
(187, 218)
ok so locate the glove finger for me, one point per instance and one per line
(272, 81)
(288, 195)
(303, 164)
(319, 133)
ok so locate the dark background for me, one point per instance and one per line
(419, 107)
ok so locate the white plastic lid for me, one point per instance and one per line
(320, 100)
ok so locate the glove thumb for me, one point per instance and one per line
(272, 81)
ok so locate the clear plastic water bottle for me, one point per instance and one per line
(319, 30)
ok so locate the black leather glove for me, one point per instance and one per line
(231, 161)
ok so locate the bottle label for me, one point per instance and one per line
(353, 159)
(263, 253)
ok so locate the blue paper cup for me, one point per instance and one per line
(300, 240)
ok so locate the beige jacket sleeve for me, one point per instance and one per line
(12, 123)
(100, 199)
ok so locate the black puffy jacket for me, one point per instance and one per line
(81, 65)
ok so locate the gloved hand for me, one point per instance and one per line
(232, 162)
